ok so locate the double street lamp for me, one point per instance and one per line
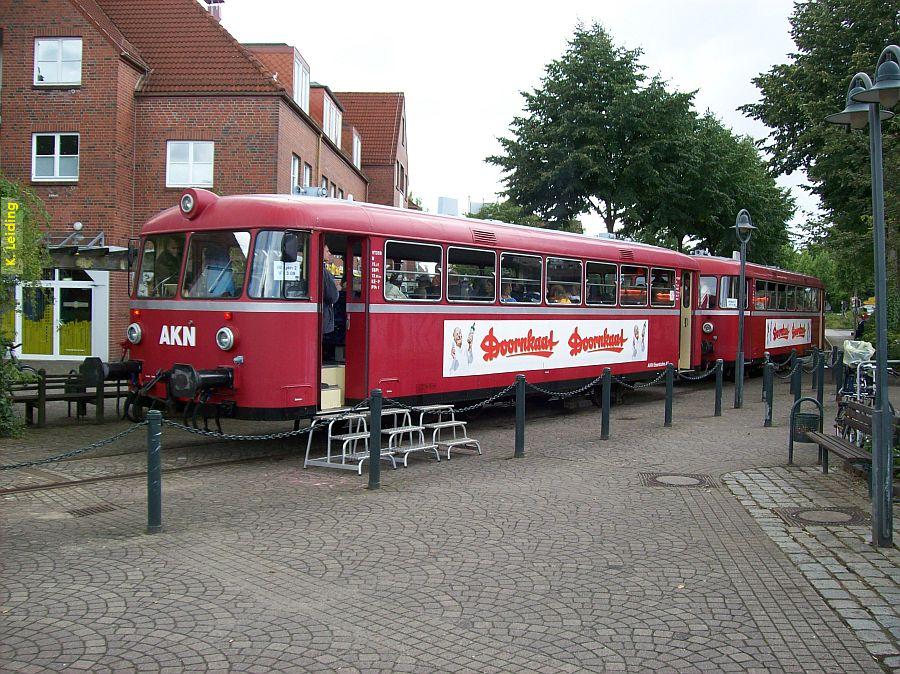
(864, 106)
(743, 227)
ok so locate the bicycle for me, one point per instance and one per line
(10, 355)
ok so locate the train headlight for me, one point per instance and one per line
(707, 328)
(187, 202)
(133, 333)
(224, 338)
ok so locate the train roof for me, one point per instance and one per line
(726, 265)
(289, 211)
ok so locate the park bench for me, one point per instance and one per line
(857, 418)
(71, 387)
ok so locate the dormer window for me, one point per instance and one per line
(333, 119)
(57, 61)
(301, 83)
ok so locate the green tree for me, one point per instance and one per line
(834, 39)
(587, 142)
(34, 257)
(692, 205)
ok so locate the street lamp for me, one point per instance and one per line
(864, 101)
(743, 227)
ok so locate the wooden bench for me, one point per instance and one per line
(858, 418)
(70, 388)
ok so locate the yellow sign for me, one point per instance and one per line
(10, 237)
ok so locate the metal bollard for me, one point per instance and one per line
(768, 382)
(720, 367)
(520, 417)
(375, 440)
(606, 386)
(793, 365)
(820, 379)
(766, 360)
(670, 386)
(154, 471)
(797, 382)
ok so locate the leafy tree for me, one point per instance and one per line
(34, 258)
(693, 204)
(834, 39)
(587, 142)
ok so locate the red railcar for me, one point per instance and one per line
(227, 306)
(783, 311)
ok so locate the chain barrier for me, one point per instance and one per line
(782, 365)
(637, 386)
(76, 452)
(701, 377)
(458, 410)
(562, 395)
(790, 373)
(267, 436)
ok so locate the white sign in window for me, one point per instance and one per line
(54, 156)
(189, 163)
(57, 61)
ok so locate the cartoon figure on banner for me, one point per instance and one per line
(639, 343)
(461, 355)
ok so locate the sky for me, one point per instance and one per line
(463, 65)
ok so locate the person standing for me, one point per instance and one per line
(329, 294)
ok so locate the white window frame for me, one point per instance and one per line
(440, 272)
(59, 61)
(55, 178)
(547, 281)
(301, 83)
(191, 182)
(357, 150)
(295, 173)
(478, 250)
(332, 119)
(307, 175)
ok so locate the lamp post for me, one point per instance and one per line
(743, 227)
(864, 101)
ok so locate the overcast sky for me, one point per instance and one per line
(463, 64)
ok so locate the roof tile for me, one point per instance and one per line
(376, 115)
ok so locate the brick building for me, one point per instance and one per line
(111, 107)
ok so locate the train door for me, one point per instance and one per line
(357, 326)
(684, 352)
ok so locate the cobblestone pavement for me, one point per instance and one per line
(861, 583)
(581, 556)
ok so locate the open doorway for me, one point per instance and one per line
(343, 349)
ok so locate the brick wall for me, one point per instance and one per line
(382, 188)
(341, 173)
(296, 136)
(245, 132)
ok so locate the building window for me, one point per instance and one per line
(307, 175)
(350, 196)
(57, 61)
(333, 192)
(357, 150)
(325, 184)
(333, 118)
(54, 156)
(340, 194)
(301, 84)
(295, 173)
(403, 131)
(189, 163)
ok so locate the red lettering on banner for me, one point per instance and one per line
(798, 331)
(605, 342)
(529, 345)
(781, 333)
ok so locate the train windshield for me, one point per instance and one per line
(278, 273)
(160, 265)
(216, 262)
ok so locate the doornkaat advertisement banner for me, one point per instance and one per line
(489, 347)
(788, 331)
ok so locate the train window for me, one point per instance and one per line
(601, 283)
(412, 271)
(160, 265)
(216, 262)
(793, 298)
(563, 281)
(520, 278)
(781, 300)
(728, 297)
(813, 299)
(709, 286)
(761, 295)
(471, 275)
(662, 287)
(633, 291)
(278, 273)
